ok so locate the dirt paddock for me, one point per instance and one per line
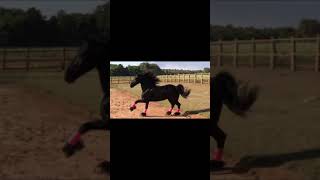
(279, 139)
(33, 128)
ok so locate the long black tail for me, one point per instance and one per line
(238, 97)
(184, 92)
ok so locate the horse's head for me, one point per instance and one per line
(148, 79)
(90, 54)
(136, 80)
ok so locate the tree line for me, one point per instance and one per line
(29, 26)
(119, 70)
(305, 28)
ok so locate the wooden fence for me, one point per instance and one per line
(292, 53)
(36, 58)
(203, 78)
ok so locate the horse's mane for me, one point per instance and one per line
(152, 78)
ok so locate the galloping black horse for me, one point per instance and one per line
(152, 92)
(239, 99)
(92, 54)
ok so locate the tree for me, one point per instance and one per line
(134, 70)
(206, 70)
(151, 67)
(309, 27)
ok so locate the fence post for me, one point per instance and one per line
(272, 53)
(4, 59)
(219, 63)
(253, 56)
(184, 78)
(293, 54)
(63, 63)
(28, 59)
(201, 78)
(316, 67)
(235, 55)
(195, 78)
(189, 78)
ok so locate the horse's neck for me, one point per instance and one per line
(103, 75)
(144, 87)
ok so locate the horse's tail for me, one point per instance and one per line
(237, 96)
(184, 92)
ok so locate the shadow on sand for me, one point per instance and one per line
(187, 113)
(273, 160)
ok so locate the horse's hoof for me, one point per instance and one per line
(70, 149)
(168, 112)
(103, 167)
(143, 114)
(215, 164)
(177, 113)
(132, 108)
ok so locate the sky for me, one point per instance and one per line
(263, 13)
(257, 13)
(51, 7)
(188, 65)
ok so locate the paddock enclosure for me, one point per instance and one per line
(278, 139)
(38, 113)
(295, 54)
(36, 58)
(197, 78)
(197, 105)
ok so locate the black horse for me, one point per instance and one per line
(152, 92)
(92, 54)
(226, 90)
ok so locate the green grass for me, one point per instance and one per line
(199, 98)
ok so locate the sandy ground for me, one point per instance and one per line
(33, 129)
(240, 172)
(35, 125)
(120, 102)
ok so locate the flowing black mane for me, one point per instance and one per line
(150, 78)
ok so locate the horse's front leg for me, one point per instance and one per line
(75, 143)
(144, 113)
(133, 106)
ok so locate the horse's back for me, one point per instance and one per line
(160, 93)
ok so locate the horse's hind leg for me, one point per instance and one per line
(178, 110)
(75, 144)
(172, 105)
(145, 110)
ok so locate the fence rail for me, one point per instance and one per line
(179, 78)
(291, 53)
(35, 58)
